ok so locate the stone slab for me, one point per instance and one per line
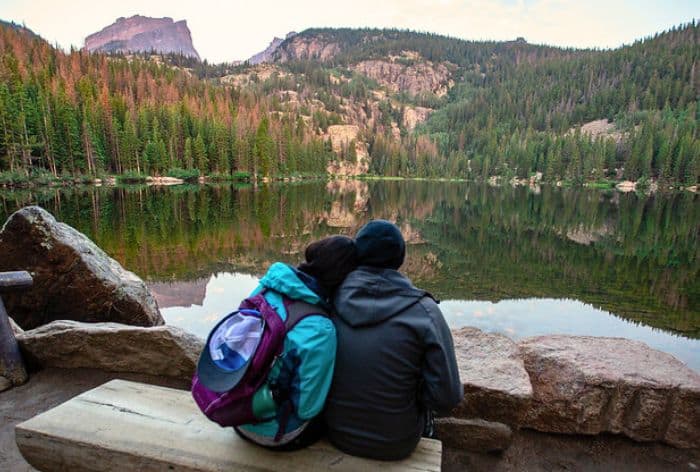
(496, 385)
(591, 385)
(473, 434)
(161, 350)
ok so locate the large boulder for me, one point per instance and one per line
(590, 385)
(473, 434)
(73, 278)
(163, 350)
(496, 384)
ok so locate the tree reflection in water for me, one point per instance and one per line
(634, 256)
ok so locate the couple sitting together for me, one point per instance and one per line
(366, 358)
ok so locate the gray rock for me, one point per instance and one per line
(496, 384)
(5, 383)
(590, 385)
(15, 327)
(163, 350)
(473, 434)
(73, 278)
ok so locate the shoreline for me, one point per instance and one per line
(621, 186)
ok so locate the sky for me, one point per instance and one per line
(236, 29)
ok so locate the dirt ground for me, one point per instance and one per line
(531, 451)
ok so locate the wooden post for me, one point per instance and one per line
(11, 363)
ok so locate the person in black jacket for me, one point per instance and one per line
(395, 360)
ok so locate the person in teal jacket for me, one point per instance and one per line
(306, 365)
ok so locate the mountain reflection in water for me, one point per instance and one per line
(542, 260)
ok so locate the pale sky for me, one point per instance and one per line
(236, 29)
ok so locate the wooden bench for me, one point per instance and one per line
(123, 426)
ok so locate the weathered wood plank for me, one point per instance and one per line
(130, 426)
(14, 281)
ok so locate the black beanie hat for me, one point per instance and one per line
(330, 260)
(380, 244)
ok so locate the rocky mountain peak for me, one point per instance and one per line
(143, 34)
(266, 55)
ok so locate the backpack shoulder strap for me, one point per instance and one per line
(297, 310)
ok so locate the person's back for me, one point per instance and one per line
(394, 360)
(294, 386)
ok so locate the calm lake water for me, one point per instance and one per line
(517, 261)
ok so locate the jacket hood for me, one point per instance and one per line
(371, 295)
(294, 284)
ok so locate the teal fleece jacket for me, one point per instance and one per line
(312, 341)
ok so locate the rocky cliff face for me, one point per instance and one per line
(413, 76)
(142, 34)
(407, 72)
(413, 116)
(268, 53)
(341, 137)
(307, 47)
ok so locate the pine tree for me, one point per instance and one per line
(263, 148)
(188, 160)
(199, 152)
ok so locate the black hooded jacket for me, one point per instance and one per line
(395, 358)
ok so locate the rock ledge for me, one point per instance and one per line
(164, 350)
(590, 385)
(496, 384)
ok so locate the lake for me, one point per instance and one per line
(519, 261)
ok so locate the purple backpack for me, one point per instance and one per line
(234, 407)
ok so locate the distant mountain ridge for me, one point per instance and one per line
(267, 55)
(143, 34)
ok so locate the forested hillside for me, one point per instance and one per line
(87, 114)
(523, 119)
(385, 102)
(517, 109)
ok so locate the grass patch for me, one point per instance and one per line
(241, 176)
(602, 184)
(42, 177)
(20, 179)
(131, 177)
(188, 175)
(379, 177)
(237, 176)
(300, 176)
(643, 184)
(563, 183)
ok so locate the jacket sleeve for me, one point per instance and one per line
(442, 388)
(314, 339)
